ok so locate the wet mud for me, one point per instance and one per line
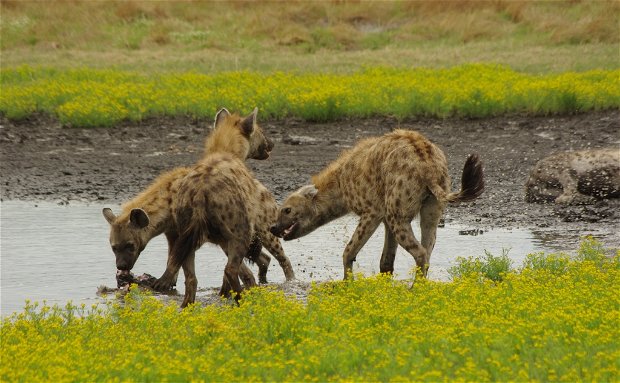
(41, 160)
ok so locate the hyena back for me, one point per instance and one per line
(390, 180)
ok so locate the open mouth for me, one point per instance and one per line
(288, 232)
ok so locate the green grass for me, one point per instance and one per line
(88, 97)
(539, 323)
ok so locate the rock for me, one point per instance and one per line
(575, 177)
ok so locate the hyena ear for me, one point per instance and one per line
(308, 191)
(108, 215)
(248, 123)
(139, 218)
(220, 116)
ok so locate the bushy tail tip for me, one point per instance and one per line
(472, 181)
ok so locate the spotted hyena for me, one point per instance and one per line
(218, 201)
(390, 180)
(575, 177)
(150, 213)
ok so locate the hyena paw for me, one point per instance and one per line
(164, 284)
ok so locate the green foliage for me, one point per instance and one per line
(537, 324)
(489, 267)
(88, 97)
(591, 250)
(557, 264)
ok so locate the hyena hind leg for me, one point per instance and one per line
(236, 251)
(246, 276)
(389, 251)
(404, 236)
(430, 214)
(191, 283)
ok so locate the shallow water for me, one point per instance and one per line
(61, 253)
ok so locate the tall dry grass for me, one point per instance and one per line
(31, 30)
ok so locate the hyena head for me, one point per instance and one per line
(240, 135)
(127, 237)
(298, 214)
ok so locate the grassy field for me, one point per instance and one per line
(555, 319)
(323, 36)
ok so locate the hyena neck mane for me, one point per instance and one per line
(156, 201)
(158, 218)
(228, 139)
(329, 201)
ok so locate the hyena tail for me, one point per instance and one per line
(472, 181)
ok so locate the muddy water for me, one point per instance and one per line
(61, 253)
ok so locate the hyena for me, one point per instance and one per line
(390, 180)
(150, 213)
(218, 201)
(576, 177)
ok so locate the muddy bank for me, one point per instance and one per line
(41, 160)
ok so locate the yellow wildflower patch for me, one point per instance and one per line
(541, 323)
(88, 97)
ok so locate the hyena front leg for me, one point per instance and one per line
(183, 247)
(273, 246)
(367, 225)
(172, 238)
(389, 251)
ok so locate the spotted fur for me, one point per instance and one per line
(390, 180)
(151, 213)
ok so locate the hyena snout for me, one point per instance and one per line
(276, 230)
(265, 149)
(125, 262)
(286, 230)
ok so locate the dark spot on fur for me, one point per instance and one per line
(442, 180)
(429, 149)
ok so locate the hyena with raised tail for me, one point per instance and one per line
(151, 212)
(390, 180)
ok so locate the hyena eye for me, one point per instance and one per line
(130, 247)
(287, 210)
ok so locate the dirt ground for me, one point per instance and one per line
(41, 160)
